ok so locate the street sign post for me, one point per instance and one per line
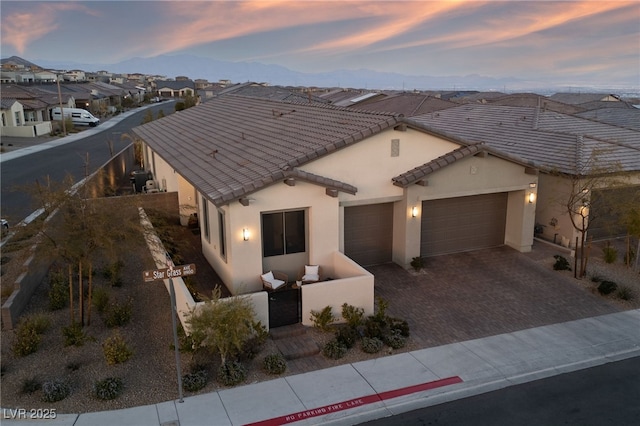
(169, 273)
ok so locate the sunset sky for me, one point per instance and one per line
(588, 41)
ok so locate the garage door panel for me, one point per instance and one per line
(464, 223)
(368, 233)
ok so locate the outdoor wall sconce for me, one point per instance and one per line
(245, 234)
(532, 197)
(414, 211)
(532, 185)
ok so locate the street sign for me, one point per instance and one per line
(165, 273)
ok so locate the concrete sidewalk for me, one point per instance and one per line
(355, 393)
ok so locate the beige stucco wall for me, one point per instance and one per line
(241, 268)
(470, 176)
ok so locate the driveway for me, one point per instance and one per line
(470, 295)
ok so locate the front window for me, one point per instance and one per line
(283, 233)
(205, 219)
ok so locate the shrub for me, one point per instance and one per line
(28, 334)
(55, 390)
(562, 264)
(194, 381)
(347, 336)
(112, 273)
(610, 254)
(607, 287)
(253, 345)
(231, 373)
(116, 350)
(74, 335)
(352, 315)
(31, 385)
(323, 319)
(334, 349)
(400, 326)
(100, 299)
(625, 293)
(375, 327)
(119, 314)
(371, 345)
(417, 263)
(394, 340)
(274, 364)
(58, 291)
(109, 388)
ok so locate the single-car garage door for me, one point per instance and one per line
(368, 233)
(461, 224)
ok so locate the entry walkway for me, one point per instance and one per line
(354, 393)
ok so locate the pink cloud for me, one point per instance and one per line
(19, 29)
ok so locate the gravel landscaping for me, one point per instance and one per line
(150, 375)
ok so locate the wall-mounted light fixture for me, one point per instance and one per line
(532, 197)
(414, 211)
(245, 234)
(533, 185)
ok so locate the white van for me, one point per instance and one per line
(77, 116)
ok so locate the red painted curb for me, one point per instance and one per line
(352, 403)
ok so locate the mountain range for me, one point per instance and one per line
(196, 67)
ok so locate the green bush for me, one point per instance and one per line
(116, 350)
(607, 287)
(194, 381)
(347, 336)
(625, 293)
(274, 364)
(399, 325)
(112, 272)
(371, 345)
(561, 264)
(610, 254)
(323, 319)
(394, 340)
(253, 345)
(31, 385)
(108, 389)
(55, 390)
(74, 335)
(334, 349)
(100, 299)
(375, 327)
(231, 373)
(58, 291)
(119, 314)
(352, 315)
(28, 334)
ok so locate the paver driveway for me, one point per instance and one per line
(475, 294)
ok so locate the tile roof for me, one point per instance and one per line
(233, 145)
(552, 141)
(629, 118)
(407, 104)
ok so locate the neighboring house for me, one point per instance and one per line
(566, 149)
(12, 118)
(278, 185)
(174, 89)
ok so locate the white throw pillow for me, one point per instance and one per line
(311, 270)
(268, 276)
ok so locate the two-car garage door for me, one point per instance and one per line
(464, 223)
(447, 226)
